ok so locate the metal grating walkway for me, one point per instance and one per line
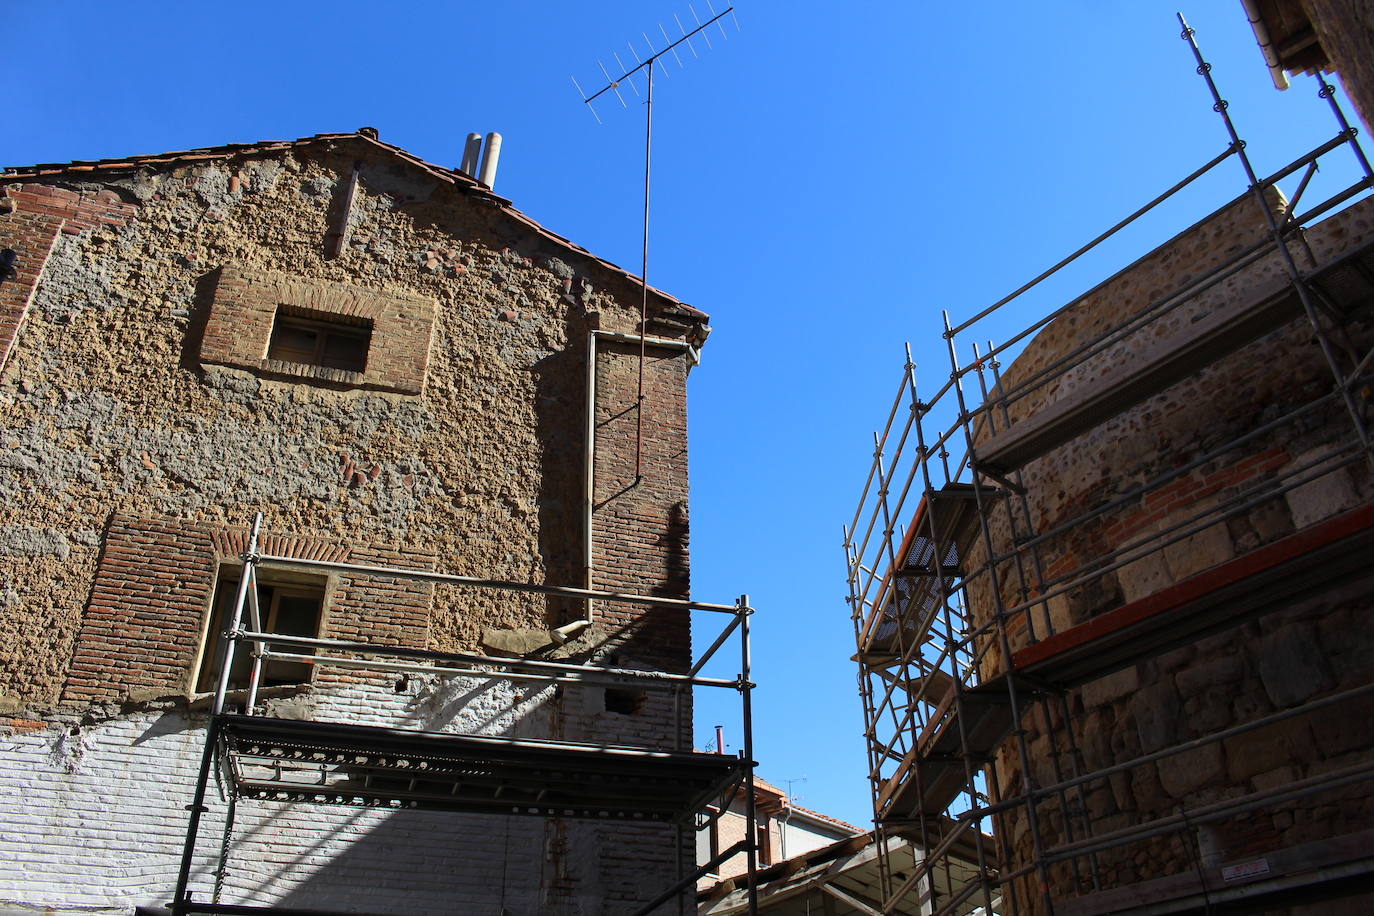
(361, 766)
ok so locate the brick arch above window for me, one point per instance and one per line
(232, 542)
(278, 325)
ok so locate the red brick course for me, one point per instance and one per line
(641, 526)
(145, 622)
(245, 307)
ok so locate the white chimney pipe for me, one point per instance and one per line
(472, 149)
(490, 155)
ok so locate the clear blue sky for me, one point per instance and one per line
(826, 181)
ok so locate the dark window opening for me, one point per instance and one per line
(625, 702)
(765, 852)
(291, 608)
(318, 339)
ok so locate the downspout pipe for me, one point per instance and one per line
(1271, 54)
(569, 630)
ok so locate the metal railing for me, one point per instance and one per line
(245, 631)
(1011, 578)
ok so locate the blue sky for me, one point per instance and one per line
(825, 182)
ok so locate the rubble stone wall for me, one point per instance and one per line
(1298, 474)
(1345, 29)
(133, 456)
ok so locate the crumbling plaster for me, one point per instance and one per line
(107, 408)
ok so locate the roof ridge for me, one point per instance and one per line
(825, 817)
(453, 176)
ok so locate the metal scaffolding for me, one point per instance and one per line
(268, 759)
(961, 655)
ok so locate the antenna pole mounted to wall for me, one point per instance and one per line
(644, 67)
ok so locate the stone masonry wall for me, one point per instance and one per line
(1276, 662)
(1223, 401)
(135, 454)
(1345, 29)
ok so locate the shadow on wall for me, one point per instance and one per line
(559, 404)
(375, 861)
(419, 862)
(206, 286)
(678, 582)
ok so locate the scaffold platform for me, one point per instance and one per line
(366, 766)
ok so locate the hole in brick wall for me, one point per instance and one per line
(624, 701)
(314, 338)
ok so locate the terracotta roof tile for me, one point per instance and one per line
(835, 821)
(761, 784)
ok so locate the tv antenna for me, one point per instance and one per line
(644, 68)
(789, 802)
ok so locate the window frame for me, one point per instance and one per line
(223, 593)
(325, 327)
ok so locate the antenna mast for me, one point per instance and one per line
(645, 66)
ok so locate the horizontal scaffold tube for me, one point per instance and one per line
(646, 679)
(520, 666)
(563, 591)
(1271, 719)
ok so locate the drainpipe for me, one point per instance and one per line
(1271, 55)
(569, 630)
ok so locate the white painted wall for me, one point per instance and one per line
(92, 820)
(799, 836)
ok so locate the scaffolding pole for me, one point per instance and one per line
(932, 657)
(266, 646)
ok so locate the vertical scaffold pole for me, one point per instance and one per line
(751, 813)
(1075, 754)
(939, 550)
(197, 807)
(965, 423)
(852, 567)
(1220, 106)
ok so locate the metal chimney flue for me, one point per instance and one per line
(472, 151)
(490, 155)
(720, 739)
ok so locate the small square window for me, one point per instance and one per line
(319, 339)
(291, 608)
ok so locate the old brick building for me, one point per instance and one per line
(1126, 625)
(397, 369)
